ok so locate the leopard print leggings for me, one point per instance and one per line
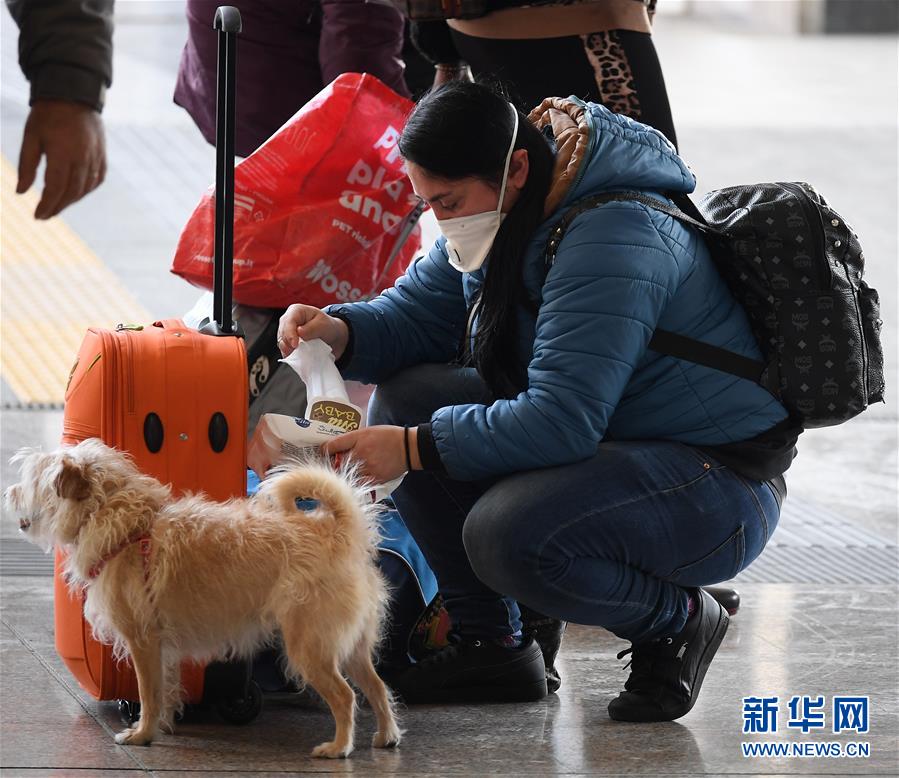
(613, 73)
(618, 68)
(628, 77)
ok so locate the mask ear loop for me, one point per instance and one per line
(502, 190)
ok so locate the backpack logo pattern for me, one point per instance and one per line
(796, 267)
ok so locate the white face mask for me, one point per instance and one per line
(470, 238)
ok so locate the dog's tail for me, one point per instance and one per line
(340, 496)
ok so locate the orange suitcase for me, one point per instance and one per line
(176, 399)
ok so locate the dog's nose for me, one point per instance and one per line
(24, 524)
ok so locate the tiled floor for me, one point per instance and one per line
(819, 614)
(787, 639)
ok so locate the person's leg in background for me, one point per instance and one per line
(487, 659)
(617, 68)
(629, 77)
(624, 540)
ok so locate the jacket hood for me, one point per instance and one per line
(597, 150)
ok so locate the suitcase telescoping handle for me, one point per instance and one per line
(227, 22)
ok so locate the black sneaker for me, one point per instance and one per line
(727, 597)
(666, 674)
(548, 634)
(469, 670)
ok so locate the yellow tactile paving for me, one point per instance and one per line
(53, 289)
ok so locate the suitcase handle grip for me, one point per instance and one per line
(227, 22)
(227, 19)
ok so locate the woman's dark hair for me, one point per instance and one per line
(463, 130)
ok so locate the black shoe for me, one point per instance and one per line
(469, 670)
(727, 598)
(548, 634)
(667, 674)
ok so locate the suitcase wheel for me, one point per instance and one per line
(241, 710)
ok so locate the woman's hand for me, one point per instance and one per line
(306, 322)
(380, 451)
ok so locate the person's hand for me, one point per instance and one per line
(445, 73)
(380, 451)
(71, 136)
(305, 322)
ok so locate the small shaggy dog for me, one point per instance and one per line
(169, 579)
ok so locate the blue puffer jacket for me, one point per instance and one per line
(621, 271)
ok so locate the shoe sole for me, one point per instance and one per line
(479, 694)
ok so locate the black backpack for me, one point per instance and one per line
(796, 267)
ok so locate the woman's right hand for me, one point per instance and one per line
(306, 322)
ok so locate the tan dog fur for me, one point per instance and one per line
(222, 576)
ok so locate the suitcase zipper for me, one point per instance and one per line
(129, 369)
(108, 430)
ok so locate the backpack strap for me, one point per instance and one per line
(707, 355)
(664, 341)
(589, 203)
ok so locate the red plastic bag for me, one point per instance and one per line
(318, 207)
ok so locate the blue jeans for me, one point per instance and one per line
(610, 541)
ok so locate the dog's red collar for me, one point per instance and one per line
(143, 540)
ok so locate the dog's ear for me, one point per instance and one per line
(72, 482)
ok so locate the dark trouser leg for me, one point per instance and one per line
(435, 507)
(629, 77)
(614, 540)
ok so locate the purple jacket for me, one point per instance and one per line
(288, 50)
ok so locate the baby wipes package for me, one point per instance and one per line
(329, 413)
(327, 398)
(279, 437)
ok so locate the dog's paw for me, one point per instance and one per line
(122, 737)
(332, 750)
(133, 737)
(388, 739)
